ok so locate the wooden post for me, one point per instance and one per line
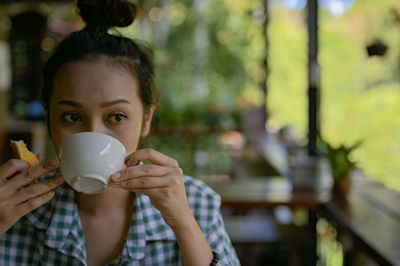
(265, 63)
(313, 77)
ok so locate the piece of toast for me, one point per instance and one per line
(21, 152)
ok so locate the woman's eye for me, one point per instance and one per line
(115, 118)
(71, 117)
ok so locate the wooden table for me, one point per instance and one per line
(267, 193)
(371, 216)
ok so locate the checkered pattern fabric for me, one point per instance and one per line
(53, 235)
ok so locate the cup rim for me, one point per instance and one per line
(91, 133)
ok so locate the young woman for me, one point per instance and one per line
(151, 214)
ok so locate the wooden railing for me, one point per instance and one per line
(370, 215)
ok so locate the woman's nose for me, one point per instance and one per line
(94, 126)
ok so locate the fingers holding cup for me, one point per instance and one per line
(144, 176)
(154, 157)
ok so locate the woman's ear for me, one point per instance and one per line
(148, 116)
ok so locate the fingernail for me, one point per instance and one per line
(116, 176)
(59, 180)
(54, 161)
(115, 184)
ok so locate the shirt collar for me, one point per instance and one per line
(60, 219)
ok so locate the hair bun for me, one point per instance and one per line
(107, 13)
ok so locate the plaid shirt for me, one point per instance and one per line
(53, 234)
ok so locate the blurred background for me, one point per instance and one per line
(234, 79)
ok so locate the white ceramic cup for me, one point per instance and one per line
(88, 159)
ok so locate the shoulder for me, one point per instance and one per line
(20, 243)
(198, 191)
(203, 201)
(196, 186)
(205, 204)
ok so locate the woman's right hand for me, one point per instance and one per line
(19, 195)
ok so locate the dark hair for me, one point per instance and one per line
(93, 42)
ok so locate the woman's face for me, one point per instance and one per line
(97, 96)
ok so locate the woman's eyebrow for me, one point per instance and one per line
(106, 104)
(70, 103)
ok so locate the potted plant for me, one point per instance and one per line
(341, 165)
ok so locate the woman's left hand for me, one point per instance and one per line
(162, 181)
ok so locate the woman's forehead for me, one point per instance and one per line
(94, 80)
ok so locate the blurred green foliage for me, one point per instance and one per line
(209, 69)
(208, 57)
(360, 95)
